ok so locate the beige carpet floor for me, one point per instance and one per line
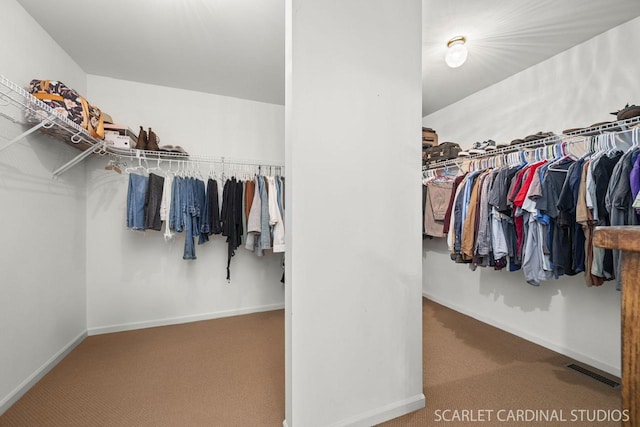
(471, 366)
(230, 372)
(222, 372)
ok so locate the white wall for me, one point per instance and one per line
(353, 335)
(576, 88)
(42, 256)
(137, 279)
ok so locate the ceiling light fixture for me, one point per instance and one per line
(456, 52)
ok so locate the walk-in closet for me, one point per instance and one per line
(217, 213)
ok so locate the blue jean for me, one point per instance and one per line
(265, 233)
(188, 209)
(175, 217)
(135, 201)
(280, 196)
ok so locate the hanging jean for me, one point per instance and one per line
(265, 233)
(152, 203)
(188, 213)
(280, 189)
(175, 213)
(135, 201)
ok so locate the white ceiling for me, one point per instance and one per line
(236, 47)
(505, 37)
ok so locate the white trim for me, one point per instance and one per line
(534, 339)
(37, 375)
(181, 319)
(380, 415)
(384, 413)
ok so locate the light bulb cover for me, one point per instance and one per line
(456, 52)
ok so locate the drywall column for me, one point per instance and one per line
(353, 266)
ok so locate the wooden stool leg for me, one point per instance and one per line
(631, 337)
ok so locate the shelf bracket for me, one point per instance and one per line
(46, 123)
(77, 159)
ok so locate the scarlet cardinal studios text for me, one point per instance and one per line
(531, 415)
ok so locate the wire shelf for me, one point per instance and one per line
(618, 126)
(42, 117)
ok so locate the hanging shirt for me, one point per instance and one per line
(483, 239)
(519, 197)
(533, 258)
(165, 206)
(603, 258)
(254, 223)
(452, 235)
(518, 222)
(275, 218)
(452, 197)
(460, 210)
(566, 256)
(634, 181)
(232, 218)
(591, 188)
(249, 192)
(585, 219)
(436, 203)
(618, 202)
(469, 225)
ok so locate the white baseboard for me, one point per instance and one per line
(380, 415)
(384, 413)
(524, 335)
(181, 319)
(36, 376)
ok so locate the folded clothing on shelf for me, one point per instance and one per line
(173, 149)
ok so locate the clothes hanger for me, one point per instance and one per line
(602, 144)
(139, 166)
(169, 171)
(612, 146)
(155, 168)
(113, 165)
(560, 156)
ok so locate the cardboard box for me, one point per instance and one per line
(118, 141)
(121, 130)
(429, 137)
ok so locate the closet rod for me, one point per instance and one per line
(621, 126)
